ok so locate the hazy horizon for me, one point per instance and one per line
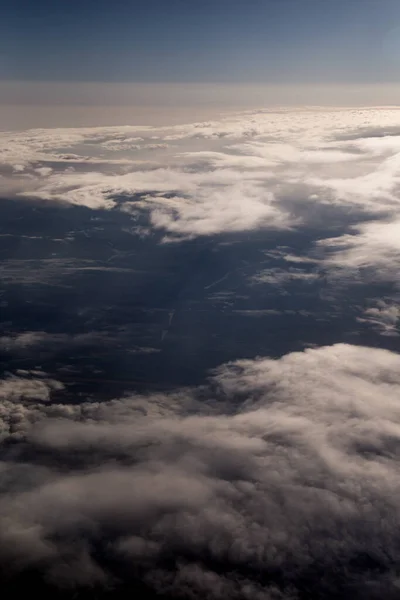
(74, 104)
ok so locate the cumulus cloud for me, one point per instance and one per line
(240, 208)
(204, 203)
(277, 477)
(384, 317)
(376, 190)
(251, 170)
(16, 388)
(372, 248)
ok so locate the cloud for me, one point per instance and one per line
(372, 249)
(375, 191)
(225, 160)
(278, 476)
(51, 271)
(44, 171)
(384, 317)
(281, 277)
(28, 339)
(15, 388)
(21, 397)
(251, 170)
(44, 344)
(240, 208)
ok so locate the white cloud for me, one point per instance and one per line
(384, 317)
(254, 168)
(50, 343)
(281, 473)
(374, 247)
(375, 191)
(50, 271)
(225, 160)
(281, 277)
(234, 208)
(205, 202)
(43, 171)
(21, 399)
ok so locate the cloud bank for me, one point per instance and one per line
(278, 476)
(247, 171)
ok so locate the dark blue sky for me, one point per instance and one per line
(200, 40)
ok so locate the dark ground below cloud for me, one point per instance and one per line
(162, 315)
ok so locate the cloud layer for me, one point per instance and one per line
(247, 171)
(278, 476)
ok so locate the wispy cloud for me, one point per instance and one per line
(384, 317)
(373, 248)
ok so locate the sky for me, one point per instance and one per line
(169, 61)
(230, 41)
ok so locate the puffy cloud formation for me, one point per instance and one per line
(372, 247)
(384, 317)
(252, 170)
(277, 480)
